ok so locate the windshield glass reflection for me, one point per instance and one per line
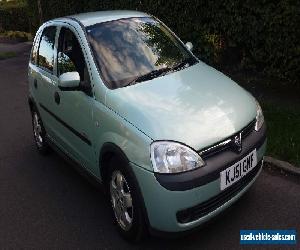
(126, 49)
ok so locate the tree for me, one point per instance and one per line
(40, 11)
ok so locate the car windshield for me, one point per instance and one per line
(133, 50)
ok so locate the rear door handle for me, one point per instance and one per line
(35, 83)
(56, 97)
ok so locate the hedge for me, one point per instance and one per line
(14, 17)
(259, 35)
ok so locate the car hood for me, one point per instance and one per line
(197, 106)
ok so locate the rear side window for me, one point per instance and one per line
(46, 49)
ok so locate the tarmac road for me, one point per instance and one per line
(45, 203)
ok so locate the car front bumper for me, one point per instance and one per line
(182, 205)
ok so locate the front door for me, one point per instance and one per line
(74, 108)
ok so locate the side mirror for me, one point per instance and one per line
(69, 81)
(189, 46)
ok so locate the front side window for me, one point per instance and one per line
(132, 50)
(70, 58)
(70, 55)
(46, 49)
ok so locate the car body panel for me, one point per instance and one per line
(197, 106)
(114, 129)
(91, 18)
(162, 204)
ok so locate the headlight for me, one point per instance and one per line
(259, 117)
(172, 157)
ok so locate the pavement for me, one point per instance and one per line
(282, 165)
(46, 204)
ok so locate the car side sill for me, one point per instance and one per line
(94, 180)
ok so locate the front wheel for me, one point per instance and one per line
(126, 203)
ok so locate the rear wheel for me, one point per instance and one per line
(121, 200)
(39, 133)
(126, 203)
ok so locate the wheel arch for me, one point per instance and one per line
(112, 150)
(31, 103)
(108, 151)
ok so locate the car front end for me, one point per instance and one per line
(181, 201)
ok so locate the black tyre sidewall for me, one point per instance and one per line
(44, 149)
(138, 229)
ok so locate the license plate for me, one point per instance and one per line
(237, 171)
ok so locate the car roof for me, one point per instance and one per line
(91, 18)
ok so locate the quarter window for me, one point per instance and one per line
(46, 49)
(35, 49)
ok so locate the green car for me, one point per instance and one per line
(173, 141)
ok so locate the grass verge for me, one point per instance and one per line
(6, 55)
(283, 125)
(19, 36)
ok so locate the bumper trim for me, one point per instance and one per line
(214, 165)
(194, 213)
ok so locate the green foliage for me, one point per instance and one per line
(258, 35)
(283, 132)
(6, 55)
(65, 64)
(13, 16)
(20, 36)
(12, 4)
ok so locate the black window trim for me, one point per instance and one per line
(40, 39)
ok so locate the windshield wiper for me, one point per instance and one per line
(159, 72)
(185, 63)
(148, 76)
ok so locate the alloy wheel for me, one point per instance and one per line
(121, 200)
(37, 130)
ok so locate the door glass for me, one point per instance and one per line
(70, 58)
(70, 54)
(46, 49)
(65, 64)
(34, 51)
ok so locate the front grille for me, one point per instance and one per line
(248, 129)
(213, 203)
(227, 143)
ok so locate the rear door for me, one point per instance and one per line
(32, 68)
(44, 76)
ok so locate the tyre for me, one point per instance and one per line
(39, 133)
(126, 202)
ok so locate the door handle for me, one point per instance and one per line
(35, 83)
(56, 97)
